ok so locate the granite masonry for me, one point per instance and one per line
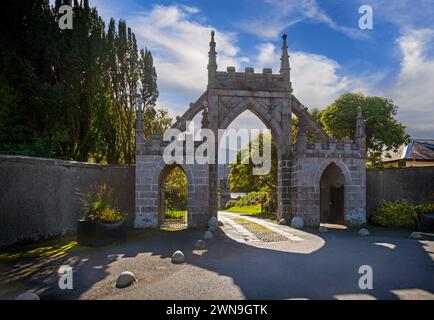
(319, 179)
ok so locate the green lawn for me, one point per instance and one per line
(175, 214)
(252, 209)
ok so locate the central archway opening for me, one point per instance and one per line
(173, 199)
(243, 191)
(332, 193)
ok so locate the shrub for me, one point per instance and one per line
(394, 214)
(97, 203)
(103, 212)
(425, 207)
(266, 196)
(231, 203)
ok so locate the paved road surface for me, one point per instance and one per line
(309, 265)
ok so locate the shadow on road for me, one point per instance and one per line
(328, 272)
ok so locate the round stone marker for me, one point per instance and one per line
(200, 245)
(28, 296)
(297, 222)
(207, 235)
(178, 257)
(282, 222)
(125, 279)
(213, 223)
(323, 229)
(416, 236)
(364, 232)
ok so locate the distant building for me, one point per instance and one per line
(418, 153)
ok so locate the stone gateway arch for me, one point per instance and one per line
(318, 179)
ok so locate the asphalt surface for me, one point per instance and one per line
(308, 265)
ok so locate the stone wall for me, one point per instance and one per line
(38, 197)
(306, 174)
(412, 184)
(150, 172)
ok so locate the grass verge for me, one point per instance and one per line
(261, 232)
(249, 210)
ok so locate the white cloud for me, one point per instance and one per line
(180, 46)
(405, 14)
(316, 79)
(286, 13)
(413, 90)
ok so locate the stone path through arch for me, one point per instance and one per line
(246, 236)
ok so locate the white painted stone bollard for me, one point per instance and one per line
(178, 257)
(364, 232)
(28, 296)
(200, 245)
(297, 222)
(125, 279)
(213, 223)
(208, 235)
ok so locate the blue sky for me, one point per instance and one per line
(329, 53)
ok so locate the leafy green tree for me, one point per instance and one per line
(176, 191)
(383, 130)
(148, 77)
(156, 121)
(241, 175)
(70, 94)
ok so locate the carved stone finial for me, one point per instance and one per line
(284, 61)
(212, 60)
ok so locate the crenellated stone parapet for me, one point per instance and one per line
(249, 80)
(156, 145)
(332, 149)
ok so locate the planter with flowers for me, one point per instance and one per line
(102, 224)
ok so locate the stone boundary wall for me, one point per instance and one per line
(413, 184)
(38, 197)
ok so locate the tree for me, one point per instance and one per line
(148, 77)
(176, 189)
(156, 121)
(264, 186)
(70, 94)
(383, 131)
(241, 175)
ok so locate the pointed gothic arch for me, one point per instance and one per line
(300, 167)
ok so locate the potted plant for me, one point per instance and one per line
(425, 214)
(102, 224)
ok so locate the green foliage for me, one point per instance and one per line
(254, 209)
(261, 188)
(156, 121)
(98, 204)
(70, 94)
(425, 207)
(241, 175)
(103, 212)
(148, 79)
(395, 214)
(383, 131)
(266, 197)
(176, 190)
